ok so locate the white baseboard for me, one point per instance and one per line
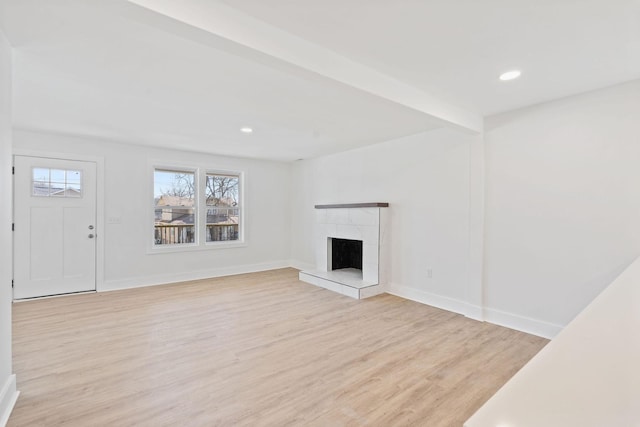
(508, 320)
(438, 301)
(475, 312)
(521, 323)
(301, 265)
(163, 279)
(8, 397)
(497, 317)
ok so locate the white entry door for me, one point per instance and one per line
(54, 220)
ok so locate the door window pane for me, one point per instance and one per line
(48, 182)
(57, 175)
(73, 177)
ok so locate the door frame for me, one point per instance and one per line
(100, 213)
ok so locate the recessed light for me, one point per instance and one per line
(510, 75)
(246, 129)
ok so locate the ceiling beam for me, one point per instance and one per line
(227, 28)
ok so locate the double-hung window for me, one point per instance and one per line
(223, 207)
(196, 208)
(176, 210)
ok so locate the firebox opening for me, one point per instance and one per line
(346, 254)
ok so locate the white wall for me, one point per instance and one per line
(425, 178)
(7, 380)
(127, 195)
(562, 204)
(560, 208)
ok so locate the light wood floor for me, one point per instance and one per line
(254, 350)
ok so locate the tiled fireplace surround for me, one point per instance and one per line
(359, 221)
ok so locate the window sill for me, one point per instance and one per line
(191, 248)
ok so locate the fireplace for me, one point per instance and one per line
(352, 249)
(345, 253)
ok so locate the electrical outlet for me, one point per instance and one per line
(429, 273)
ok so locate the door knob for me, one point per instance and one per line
(91, 227)
(91, 236)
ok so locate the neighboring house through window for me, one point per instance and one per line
(56, 183)
(175, 207)
(180, 203)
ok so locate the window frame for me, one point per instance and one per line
(200, 206)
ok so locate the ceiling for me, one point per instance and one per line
(456, 49)
(309, 77)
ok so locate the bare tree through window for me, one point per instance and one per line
(222, 190)
(223, 207)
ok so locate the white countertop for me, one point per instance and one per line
(588, 376)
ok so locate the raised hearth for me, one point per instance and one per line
(351, 245)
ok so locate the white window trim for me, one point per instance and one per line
(200, 239)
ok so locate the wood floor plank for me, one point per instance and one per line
(259, 349)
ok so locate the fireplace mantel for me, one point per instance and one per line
(354, 205)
